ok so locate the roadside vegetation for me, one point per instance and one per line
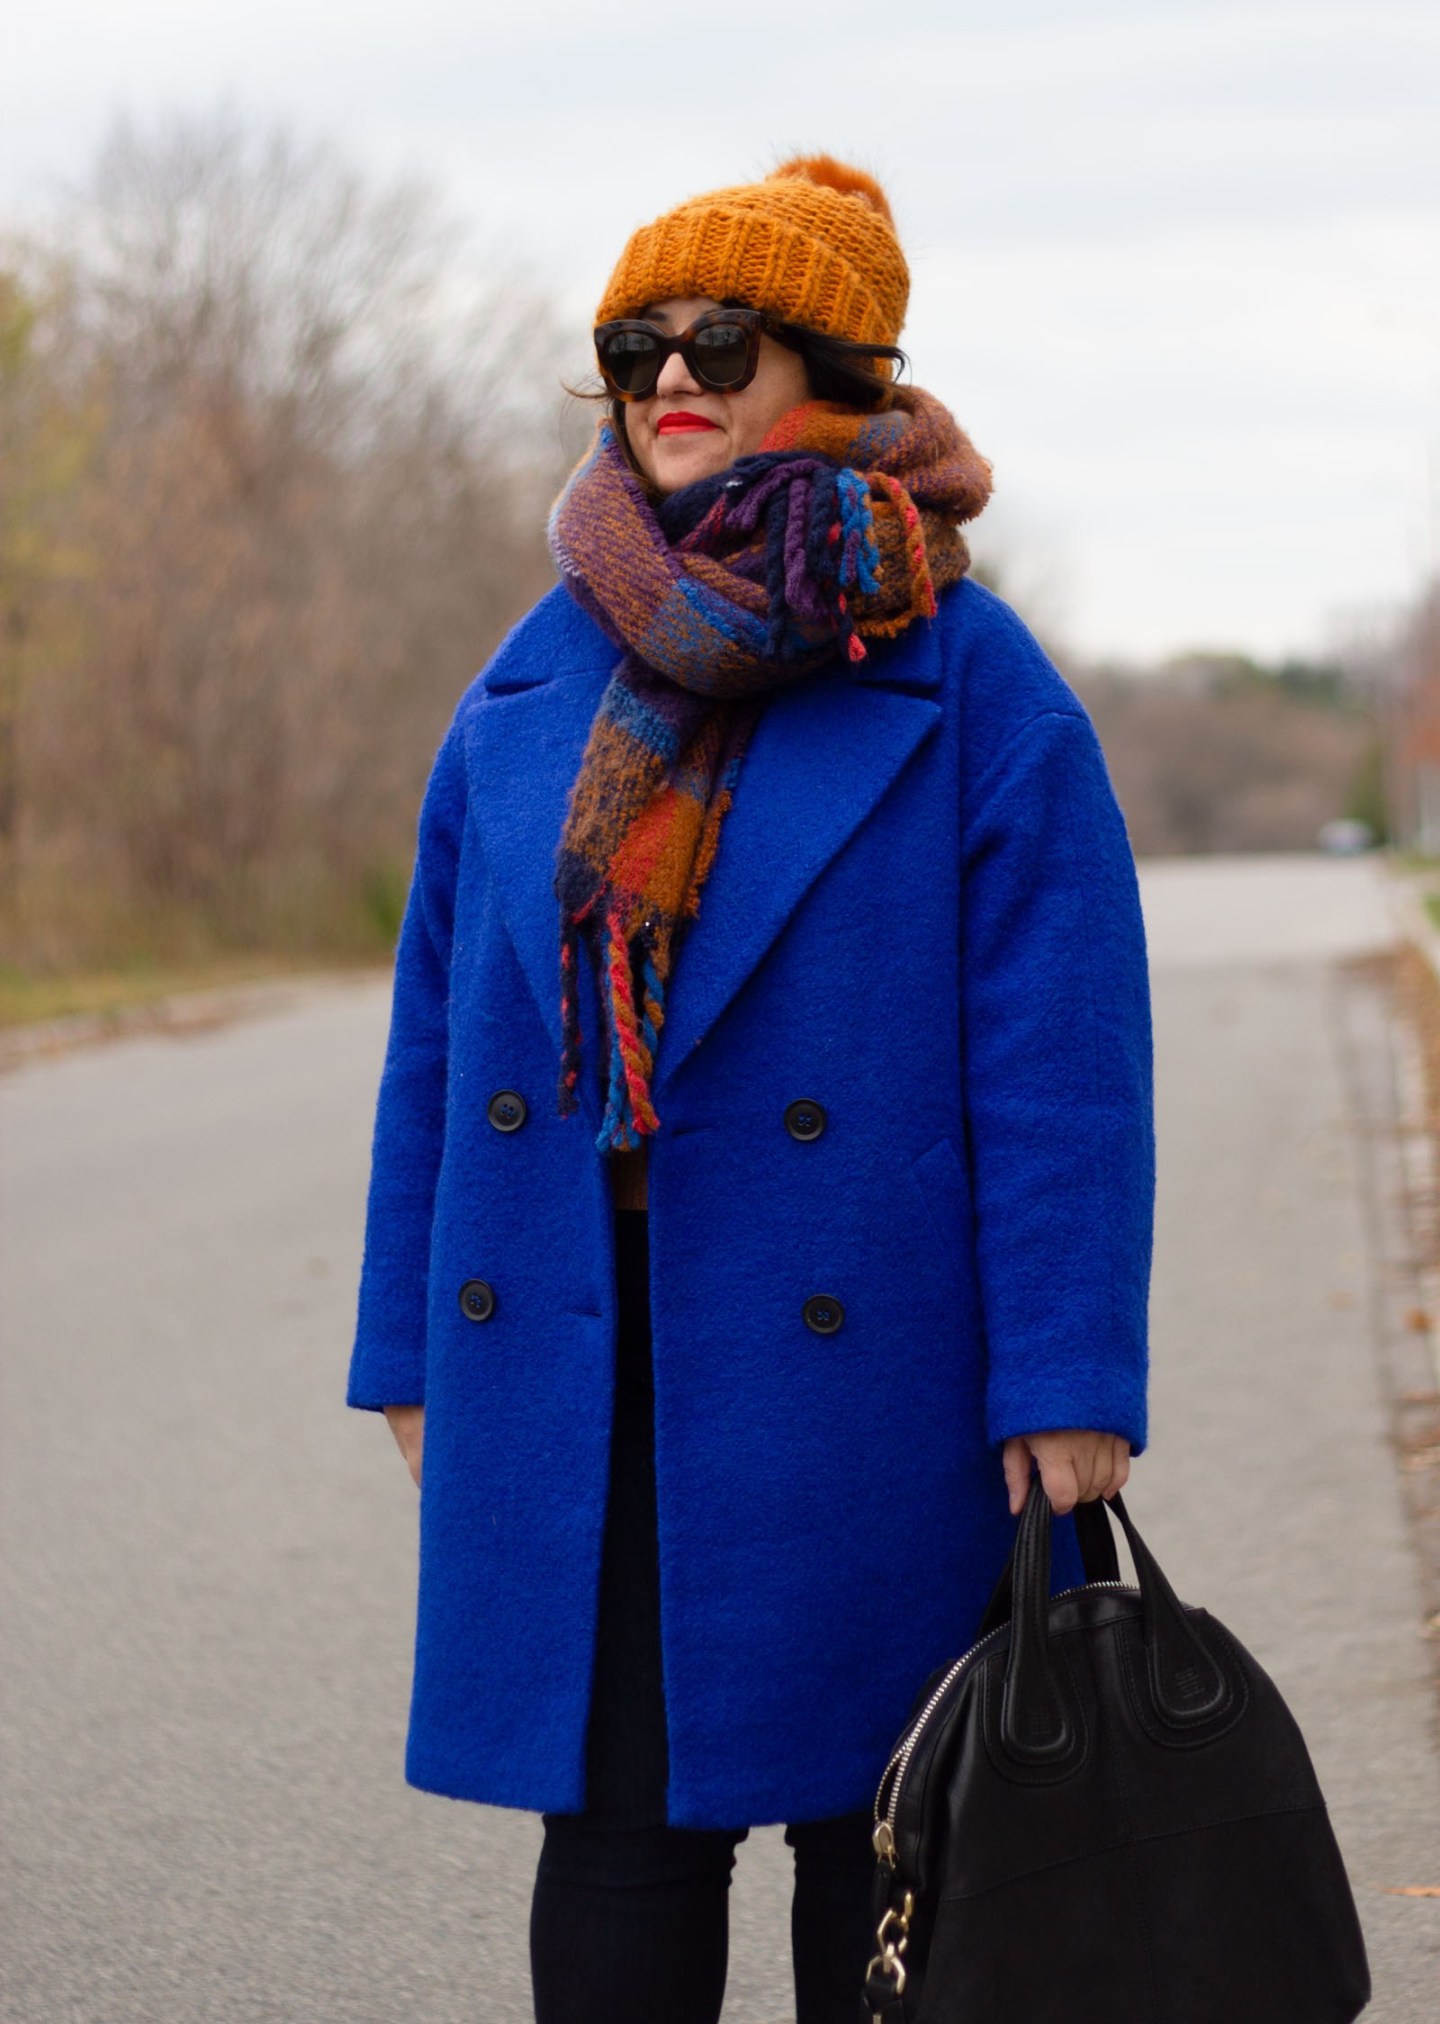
(274, 462)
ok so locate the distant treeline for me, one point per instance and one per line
(274, 467)
(1214, 752)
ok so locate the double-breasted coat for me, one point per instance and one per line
(922, 922)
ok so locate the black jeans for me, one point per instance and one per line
(629, 1920)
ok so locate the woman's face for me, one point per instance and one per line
(683, 432)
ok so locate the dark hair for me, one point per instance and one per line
(840, 370)
(837, 368)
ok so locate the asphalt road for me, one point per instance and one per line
(207, 1561)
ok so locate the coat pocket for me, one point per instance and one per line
(940, 1176)
(944, 1241)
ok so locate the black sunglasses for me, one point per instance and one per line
(721, 348)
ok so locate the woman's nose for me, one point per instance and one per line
(676, 377)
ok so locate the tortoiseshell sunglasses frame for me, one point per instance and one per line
(754, 322)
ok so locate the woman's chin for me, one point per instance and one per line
(681, 460)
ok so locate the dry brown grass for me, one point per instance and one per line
(29, 999)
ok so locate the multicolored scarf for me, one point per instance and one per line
(840, 528)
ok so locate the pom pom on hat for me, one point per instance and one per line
(833, 175)
(814, 243)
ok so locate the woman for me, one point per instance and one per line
(769, 1086)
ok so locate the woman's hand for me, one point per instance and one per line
(407, 1424)
(1076, 1466)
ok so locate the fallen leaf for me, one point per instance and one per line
(1417, 1320)
(1413, 1890)
(1421, 1458)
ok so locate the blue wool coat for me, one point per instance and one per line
(923, 916)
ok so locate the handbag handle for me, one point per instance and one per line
(1188, 1683)
(1097, 1551)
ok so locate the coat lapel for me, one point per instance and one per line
(523, 748)
(821, 756)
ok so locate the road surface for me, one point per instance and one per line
(207, 1561)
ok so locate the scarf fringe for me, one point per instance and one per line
(630, 1107)
(629, 1111)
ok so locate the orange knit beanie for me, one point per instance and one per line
(814, 243)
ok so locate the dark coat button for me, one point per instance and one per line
(804, 1119)
(477, 1300)
(823, 1313)
(507, 1110)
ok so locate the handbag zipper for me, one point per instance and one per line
(883, 1835)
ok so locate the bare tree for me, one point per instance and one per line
(316, 498)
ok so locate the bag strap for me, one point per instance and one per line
(1097, 1541)
(1097, 1553)
(1037, 1722)
(1189, 1682)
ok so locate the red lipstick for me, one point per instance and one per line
(680, 422)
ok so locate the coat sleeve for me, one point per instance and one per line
(1056, 1029)
(387, 1365)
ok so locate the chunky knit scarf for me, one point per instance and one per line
(840, 528)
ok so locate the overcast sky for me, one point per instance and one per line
(1176, 267)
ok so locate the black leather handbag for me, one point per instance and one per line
(1104, 1813)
